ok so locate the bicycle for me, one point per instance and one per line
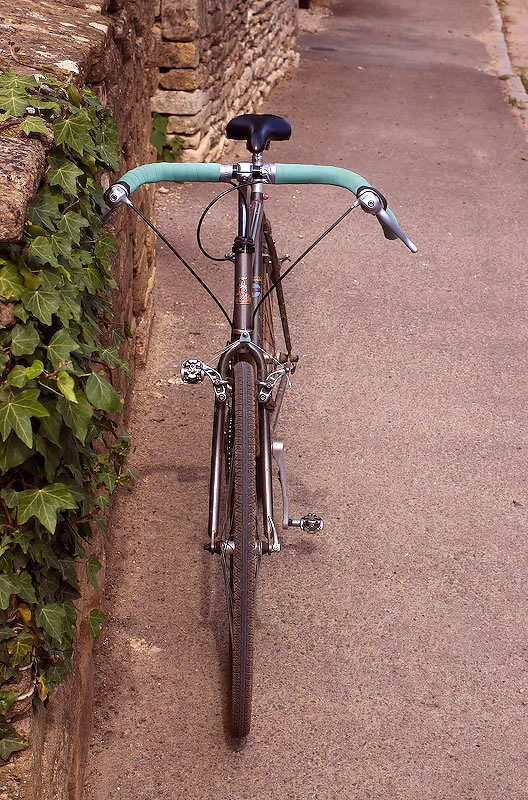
(251, 375)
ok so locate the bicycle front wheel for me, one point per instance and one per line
(244, 532)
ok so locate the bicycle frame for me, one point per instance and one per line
(248, 285)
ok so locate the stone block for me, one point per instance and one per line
(178, 54)
(187, 125)
(182, 20)
(167, 102)
(21, 168)
(183, 79)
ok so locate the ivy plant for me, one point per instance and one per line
(61, 454)
(166, 150)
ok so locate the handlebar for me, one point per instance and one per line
(368, 198)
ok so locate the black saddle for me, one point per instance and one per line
(258, 130)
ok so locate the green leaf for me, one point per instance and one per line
(24, 339)
(16, 413)
(17, 376)
(74, 95)
(41, 249)
(110, 356)
(44, 210)
(20, 647)
(41, 303)
(50, 427)
(77, 416)
(93, 565)
(32, 280)
(6, 700)
(63, 172)
(13, 452)
(7, 588)
(66, 384)
(44, 504)
(10, 742)
(60, 346)
(25, 588)
(52, 456)
(34, 125)
(35, 369)
(61, 244)
(21, 312)
(12, 80)
(71, 224)
(102, 394)
(14, 101)
(23, 539)
(95, 619)
(51, 618)
(73, 131)
(11, 283)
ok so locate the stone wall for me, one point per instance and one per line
(218, 58)
(107, 46)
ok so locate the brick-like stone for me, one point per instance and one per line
(21, 168)
(183, 79)
(178, 102)
(187, 125)
(178, 54)
(182, 20)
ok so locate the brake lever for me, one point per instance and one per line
(373, 202)
(389, 223)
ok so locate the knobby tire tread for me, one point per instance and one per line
(244, 536)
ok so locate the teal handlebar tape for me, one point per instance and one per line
(165, 171)
(334, 176)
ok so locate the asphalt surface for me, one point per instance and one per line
(391, 649)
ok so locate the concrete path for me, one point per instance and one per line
(390, 650)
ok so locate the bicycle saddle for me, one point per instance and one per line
(258, 130)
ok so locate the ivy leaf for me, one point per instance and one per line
(44, 504)
(102, 394)
(34, 125)
(13, 101)
(17, 377)
(41, 303)
(51, 618)
(23, 539)
(16, 413)
(66, 385)
(7, 588)
(35, 369)
(13, 452)
(74, 95)
(11, 283)
(41, 248)
(24, 339)
(61, 244)
(12, 80)
(71, 224)
(50, 427)
(60, 346)
(44, 210)
(93, 565)
(25, 588)
(10, 742)
(77, 416)
(6, 700)
(20, 647)
(73, 131)
(95, 619)
(63, 172)
(110, 356)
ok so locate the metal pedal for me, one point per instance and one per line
(192, 371)
(310, 523)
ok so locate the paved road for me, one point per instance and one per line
(391, 650)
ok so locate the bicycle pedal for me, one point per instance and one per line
(310, 523)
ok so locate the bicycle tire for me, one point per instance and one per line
(244, 532)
